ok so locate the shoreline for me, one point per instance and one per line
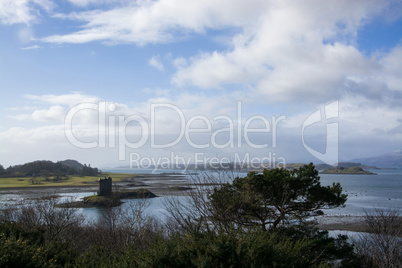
(169, 185)
(341, 223)
(345, 223)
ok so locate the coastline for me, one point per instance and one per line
(325, 222)
(341, 223)
(345, 223)
(167, 185)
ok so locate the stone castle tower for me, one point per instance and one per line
(105, 186)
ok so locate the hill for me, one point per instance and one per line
(354, 164)
(342, 165)
(323, 166)
(389, 160)
(46, 168)
(72, 164)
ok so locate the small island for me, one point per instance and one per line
(107, 198)
(348, 170)
(109, 201)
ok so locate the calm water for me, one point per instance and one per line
(367, 191)
(364, 192)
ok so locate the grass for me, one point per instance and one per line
(73, 180)
(95, 198)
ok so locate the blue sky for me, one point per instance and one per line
(200, 73)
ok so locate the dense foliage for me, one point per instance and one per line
(22, 247)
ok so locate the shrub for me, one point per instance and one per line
(380, 244)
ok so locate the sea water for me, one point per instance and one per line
(365, 192)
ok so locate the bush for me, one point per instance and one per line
(255, 248)
(380, 244)
(21, 247)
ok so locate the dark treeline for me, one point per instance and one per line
(45, 168)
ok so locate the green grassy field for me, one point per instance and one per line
(71, 181)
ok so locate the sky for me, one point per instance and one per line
(117, 83)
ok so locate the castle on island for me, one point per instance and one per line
(105, 186)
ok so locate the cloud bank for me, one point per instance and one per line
(276, 57)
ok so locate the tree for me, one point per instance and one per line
(45, 173)
(71, 171)
(34, 179)
(88, 171)
(57, 221)
(274, 197)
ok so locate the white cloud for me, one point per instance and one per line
(23, 11)
(285, 50)
(31, 47)
(54, 113)
(156, 63)
(391, 69)
(85, 3)
(24, 108)
(159, 21)
(33, 135)
(299, 50)
(71, 99)
(179, 62)
(57, 108)
(21, 117)
(159, 92)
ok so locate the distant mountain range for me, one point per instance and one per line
(389, 160)
(354, 164)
